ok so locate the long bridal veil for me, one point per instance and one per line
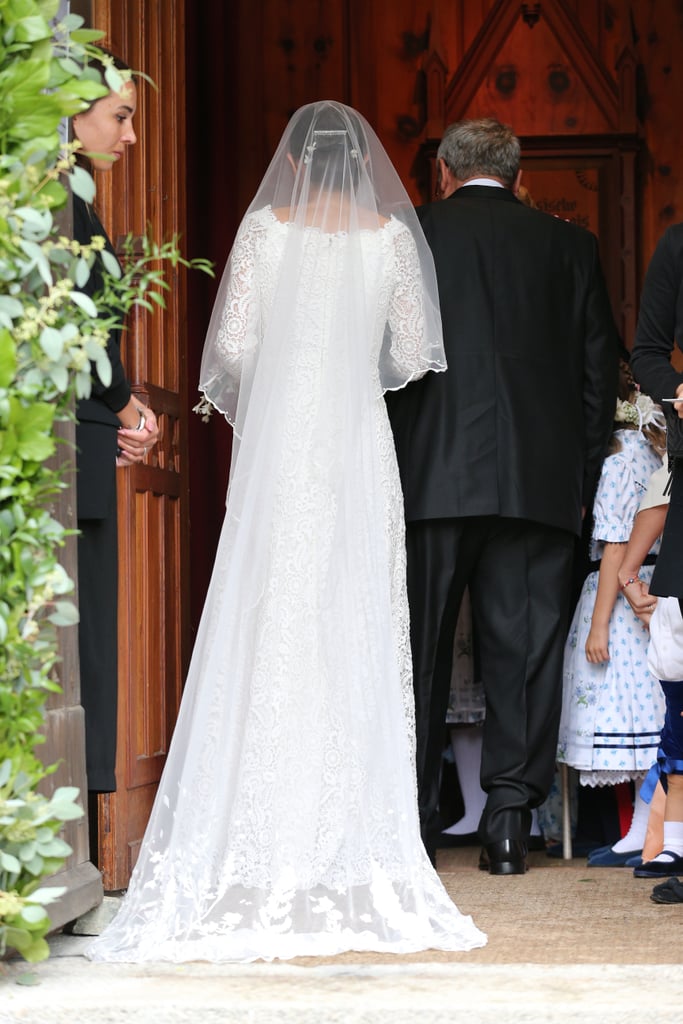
(286, 819)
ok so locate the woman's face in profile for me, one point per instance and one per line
(107, 127)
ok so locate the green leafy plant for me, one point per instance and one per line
(50, 338)
(29, 849)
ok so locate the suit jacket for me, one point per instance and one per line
(518, 425)
(660, 320)
(97, 421)
(660, 327)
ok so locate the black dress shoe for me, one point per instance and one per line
(670, 891)
(504, 857)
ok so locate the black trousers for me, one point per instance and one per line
(519, 575)
(98, 598)
(667, 579)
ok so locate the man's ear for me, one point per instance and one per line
(448, 183)
(517, 182)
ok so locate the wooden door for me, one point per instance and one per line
(152, 497)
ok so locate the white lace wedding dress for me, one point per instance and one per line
(286, 821)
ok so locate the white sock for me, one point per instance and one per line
(466, 743)
(635, 837)
(535, 827)
(673, 842)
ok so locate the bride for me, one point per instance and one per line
(286, 819)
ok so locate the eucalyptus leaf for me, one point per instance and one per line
(65, 614)
(48, 8)
(103, 368)
(12, 307)
(51, 342)
(60, 377)
(82, 384)
(32, 28)
(82, 272)
(35, 448)
(84, 302)
(111, 264)
(71, 24)
(114, 78)
(82, 184)
(8, 862)
(69, 332)
(56, 847)
(87, 35)
(40, 220)
(65, 793)
(89, 89)
(69, 66)
(47, 894)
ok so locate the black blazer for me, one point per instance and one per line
(660, 327)
(518, 425)
(97, 421)
(660, 320)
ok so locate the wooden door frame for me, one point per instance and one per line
(153, 498)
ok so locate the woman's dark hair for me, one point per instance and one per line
(100, 66)
(627, 383)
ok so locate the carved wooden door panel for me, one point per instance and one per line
(564, 75)
(152, 497)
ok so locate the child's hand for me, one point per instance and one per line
(637, 593)
(597, 647)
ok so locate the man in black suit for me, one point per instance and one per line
(499, 459)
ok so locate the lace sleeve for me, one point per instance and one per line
(235, 327)
(238, 325)
(406, 313)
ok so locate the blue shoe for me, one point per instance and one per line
(660, 868)
(633, 862)
(607, 858)
(599, 849)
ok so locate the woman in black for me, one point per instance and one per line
(660, 327)
(113, 428)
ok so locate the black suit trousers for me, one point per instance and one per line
(519, 575)
(97, 599)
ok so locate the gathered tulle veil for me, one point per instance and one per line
(286, 819)
(330, 172)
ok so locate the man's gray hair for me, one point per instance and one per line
(481, 147)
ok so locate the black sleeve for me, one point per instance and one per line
(86, 224)
(660, 318)
(601, 367)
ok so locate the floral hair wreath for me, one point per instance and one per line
(640, 412)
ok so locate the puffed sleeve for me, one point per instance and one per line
(617, 500)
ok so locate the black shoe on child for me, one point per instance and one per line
(660, 868)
